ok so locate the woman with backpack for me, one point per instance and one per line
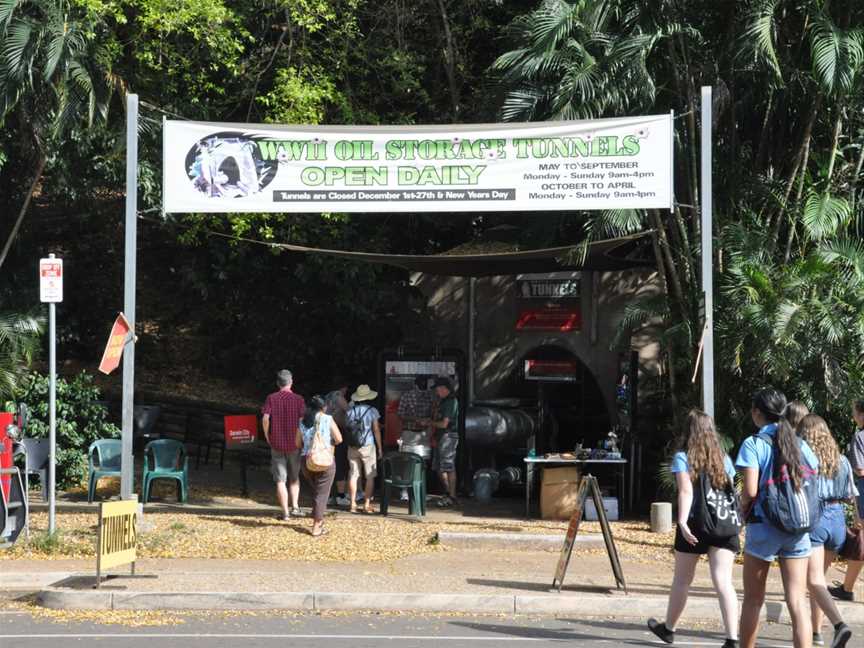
(780, 499)
(703, 472)
(363, 434)
(829, 534)
(317, 435)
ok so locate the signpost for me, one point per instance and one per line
(117, 537)
(51, 292)
(241, 432)
(588, 486)
(116, 342)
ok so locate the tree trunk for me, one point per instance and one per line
(805, 159)
(838, 127)
(674, 281)
(450, 62)
(800, 168)
(855, 177)
(661, 271)
(40, 167)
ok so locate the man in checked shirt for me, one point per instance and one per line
(282, 412)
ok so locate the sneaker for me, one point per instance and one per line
(343, 501)
(730, 643)
(404, 496)
(839, 593)
(360, 497)
(842, 634)
(332, 501)
(817, 639)
(661, 631)
(296, 512)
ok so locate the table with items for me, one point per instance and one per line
(535, 465)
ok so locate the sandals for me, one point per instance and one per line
(322, 532)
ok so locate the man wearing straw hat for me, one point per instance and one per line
(364, 448)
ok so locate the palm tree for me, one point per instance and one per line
(54, 75)
(19, 343)
(576, 60)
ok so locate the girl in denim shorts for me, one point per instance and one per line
(764, 542)
(829, 534)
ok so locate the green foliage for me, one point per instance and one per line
(19, 340)
(81, 419)
(299, 98)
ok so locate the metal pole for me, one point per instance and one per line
(52, 415)
(472, 299)
(707, 255)
(127, 472)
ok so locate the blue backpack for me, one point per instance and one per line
(790, 510)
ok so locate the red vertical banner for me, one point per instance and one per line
(240, 430)
(116, 341)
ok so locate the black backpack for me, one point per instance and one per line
(788, 509)
(716, 514)
(354, 428)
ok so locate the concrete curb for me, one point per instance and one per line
(615, 605)
(516, 541)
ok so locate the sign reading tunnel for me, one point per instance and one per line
(623, 163)
(117, 539)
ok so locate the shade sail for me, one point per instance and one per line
(623, 253)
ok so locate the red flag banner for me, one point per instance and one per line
(116, 342)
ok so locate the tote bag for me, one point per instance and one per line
(320, 456)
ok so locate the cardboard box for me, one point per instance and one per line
(610, 504)
(559, 493)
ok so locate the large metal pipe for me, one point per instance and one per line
(492, 427)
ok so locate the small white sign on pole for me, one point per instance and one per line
(51, 280)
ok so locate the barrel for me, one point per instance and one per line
(494, 427)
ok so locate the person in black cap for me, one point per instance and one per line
(445, 427)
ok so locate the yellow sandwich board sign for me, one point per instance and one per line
(117, 537)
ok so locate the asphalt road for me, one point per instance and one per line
(215, 630)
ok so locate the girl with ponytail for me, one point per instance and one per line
(762, 456)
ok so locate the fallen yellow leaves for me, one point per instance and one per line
(177, 535)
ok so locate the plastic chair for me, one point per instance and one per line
(104, 461)
(404, 470)
(169, 462)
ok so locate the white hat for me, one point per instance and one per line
(364, 393)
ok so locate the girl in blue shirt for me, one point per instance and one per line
(764, 542)
(700, 452)
(829, 534)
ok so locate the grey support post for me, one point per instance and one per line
(707, 255)
(127, 472)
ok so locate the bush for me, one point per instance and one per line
(81, 419)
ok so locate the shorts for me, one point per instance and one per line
(766, 542)
(830, 532)
(341, 456)
(733, 544)
(444, 458)
(365, 458)
(285, 466)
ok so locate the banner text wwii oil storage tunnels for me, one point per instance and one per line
(600, 164)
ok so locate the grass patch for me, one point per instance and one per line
(178, 526)
(47, 543)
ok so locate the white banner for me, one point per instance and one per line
(545, 166)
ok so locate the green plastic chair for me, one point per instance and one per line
(404, 470)
(103, 458)
(169, 461)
